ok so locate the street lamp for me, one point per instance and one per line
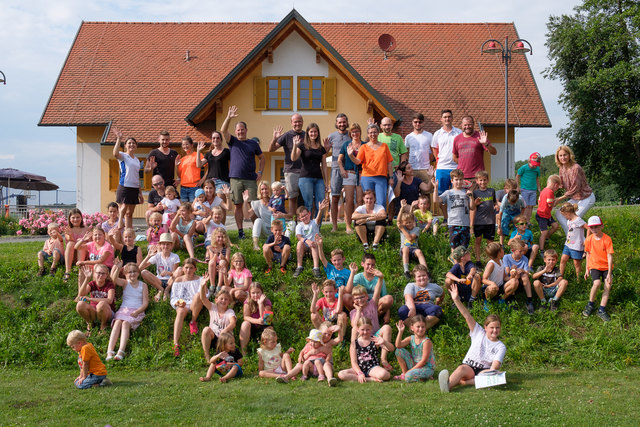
(495, 47)
(3, 79)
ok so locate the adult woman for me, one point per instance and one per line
(211, 200)
(188, 170)
(370, 219)
(258, 211)
(217, 162)
(574, 182)
(377, 165)
(312, 182)
(96, 297)
(350, 173)
(128, 194)
(408, 187)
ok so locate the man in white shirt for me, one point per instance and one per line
(418, 143)
(442, 147)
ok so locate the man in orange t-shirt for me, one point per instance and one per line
(599, 249)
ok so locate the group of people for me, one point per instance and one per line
(361, 173)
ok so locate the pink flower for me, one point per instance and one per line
(19, 232)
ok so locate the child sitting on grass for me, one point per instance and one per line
(548, 281)
(272, 362)
(599, 249)
(574, 243)
(525, 235)
(306, 232)
(166, 263)
(129, 252)
(336, 269)
(222, 319)
(422, 297)
(546, 202)
(365, 363)
(155, 230)
(329, 306)
(93, 373)
(486, 352)
(496, 281)
(277, 248)
(409, 234)
(228, 362)
(237, 280)
(369, 279)
(53, 249)
(424, 217)
(417, 363)
(257, 314)
(464, 273)
(517, 265)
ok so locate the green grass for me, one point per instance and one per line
(177, 397)
(543, 351)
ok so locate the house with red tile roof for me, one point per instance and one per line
(182, 77)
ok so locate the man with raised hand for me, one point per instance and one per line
(162, 160)
(337, 138)
(291, 168)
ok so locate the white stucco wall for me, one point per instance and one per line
(498, 162)
(88, 177)
(295, 57)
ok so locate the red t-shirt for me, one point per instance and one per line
(470, 154)
(103, 292)
(545, 203)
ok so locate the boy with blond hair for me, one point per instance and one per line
(277, 248)
(53, 248)
(93, 373)
(546, 202)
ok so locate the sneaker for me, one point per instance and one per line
(375, 246)
(106, 382)
(283, 270)
(469, 304)
(268, 270)
(443, 379)
(53, 270)
(282, 380)
(553, 305)
(407, 275)
(365, 246)
(333, 382)
(544, 306)
(587, 310)
(603, 315)
(40, 272)
(193, 327)
(317, 273)
(241, 234)
(298, 271)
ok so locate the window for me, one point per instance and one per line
(280, 93)
(310, 93)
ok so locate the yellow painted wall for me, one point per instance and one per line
(89, 133)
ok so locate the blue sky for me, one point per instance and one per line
(36, 37)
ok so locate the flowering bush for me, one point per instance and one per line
(38, 220)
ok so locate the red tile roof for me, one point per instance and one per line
(136, 76)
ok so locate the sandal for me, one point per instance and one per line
(88, 333)
(399, 377)
(176, 350)
(66, 277)
(193, 327)
(119, 356)
(110, 355)
(386, 366)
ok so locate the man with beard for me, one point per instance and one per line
(469, 148)
(291, 168)
(162, 160)
(337, 138)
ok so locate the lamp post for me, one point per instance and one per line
(3, 79)
(505, 51)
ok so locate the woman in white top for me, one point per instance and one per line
(486, 352)
(128, 194)
(135, 300)
(258, 211)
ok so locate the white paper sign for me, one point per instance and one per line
(490, 379)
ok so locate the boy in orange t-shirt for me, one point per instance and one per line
(93, 373)
(599, 249)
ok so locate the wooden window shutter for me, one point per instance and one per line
(330, 100)
(259, 93)
(114, 174)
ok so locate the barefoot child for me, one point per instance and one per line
(548, 282)
(599, 249)
(365, 363)
(272, 362)
(96, 298)
(183, 228)
(228, 362)
(306, 232)
(417, 363)
(135, 300)
(93, 373)
(574, 244)
(53, 248)
(222, 319)
(486, 352)
(546, 202)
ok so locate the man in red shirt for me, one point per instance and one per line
(469, 148)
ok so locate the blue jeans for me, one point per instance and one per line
(90, 381)
(312, 190)
(188, 194)
(379, 184)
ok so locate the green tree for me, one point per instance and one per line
(595, 53)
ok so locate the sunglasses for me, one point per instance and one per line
(522, 223)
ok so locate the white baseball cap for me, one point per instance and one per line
(594, 221)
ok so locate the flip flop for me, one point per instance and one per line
(386, 366)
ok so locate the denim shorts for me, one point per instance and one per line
(48, 257)
(529, 196)
(90, 381)
(574, 254)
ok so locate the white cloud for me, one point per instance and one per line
(7, 156)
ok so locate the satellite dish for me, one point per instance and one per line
(387, 43)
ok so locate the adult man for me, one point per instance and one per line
(418, 143)
(469, 148)
(291, 168)
(242, 170)
(155, 196)
(394, 141)
(442, 147)
(337, 139)
(162, 160)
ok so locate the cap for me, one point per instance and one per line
(166, 238)
(594, 221)
(534, 159)
(199, 192)
(459, 252)
(315, 335)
